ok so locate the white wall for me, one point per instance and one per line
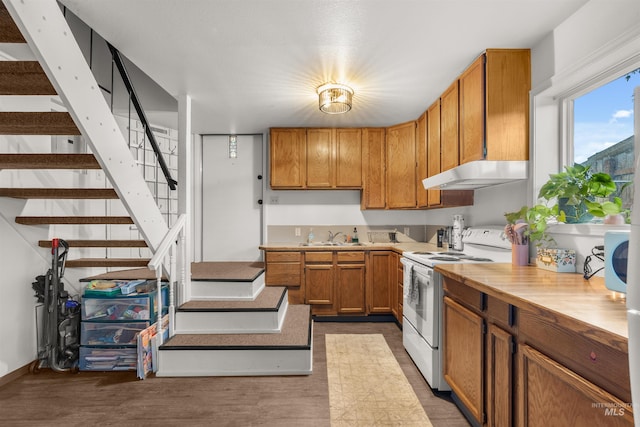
(601, 38)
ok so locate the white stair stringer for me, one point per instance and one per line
(227, 289)
(53, 44)
(233, 320)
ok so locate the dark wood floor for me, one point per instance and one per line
(88, 398)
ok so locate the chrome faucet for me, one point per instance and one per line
(333, 236)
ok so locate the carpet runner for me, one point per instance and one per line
(367, 386)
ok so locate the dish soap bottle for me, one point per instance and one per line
(354, 238)
(310, 237)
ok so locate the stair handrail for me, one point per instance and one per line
(117, 59)
(173, 241)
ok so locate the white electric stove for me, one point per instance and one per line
(423, 295)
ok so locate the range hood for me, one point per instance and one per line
(478, 174)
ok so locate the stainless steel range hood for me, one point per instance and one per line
(479, 174)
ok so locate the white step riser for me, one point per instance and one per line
(202, 290)
(197, 363)
(234, 322)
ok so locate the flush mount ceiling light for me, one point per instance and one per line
(335, 98)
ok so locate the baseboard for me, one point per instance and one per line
(370, 318)
(14, 375)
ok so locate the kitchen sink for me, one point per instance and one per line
(331, 244)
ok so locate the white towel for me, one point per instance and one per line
(414, 286)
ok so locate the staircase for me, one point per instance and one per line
(233, 324)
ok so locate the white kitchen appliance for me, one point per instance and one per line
(423, 295)
(616, 255)
(633, 274)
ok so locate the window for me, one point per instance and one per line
(603, 131)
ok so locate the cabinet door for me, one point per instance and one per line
(348, 158)
(401, 166)
(421, 160)
(319, 284)
(449, 128)
(379, 282)
(373, 169)
(463, 362)
(499, 377)
(350, 288)
(320, 171)
(433, 149)
(553, 395)
(287, 163)
(472, 113)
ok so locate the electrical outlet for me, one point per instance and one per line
(297, 231)
(406, 231)
(274, 200)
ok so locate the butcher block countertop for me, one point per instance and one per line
(599, 311)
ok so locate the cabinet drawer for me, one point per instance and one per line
(283, 274)
(283, 256)
(325, 257)
(108, 358)
(111, 333)
(604, 365)
(501, 312)
(350, 256)
(463, 293)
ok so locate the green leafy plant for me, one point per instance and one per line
(537, 218)
(577, 187)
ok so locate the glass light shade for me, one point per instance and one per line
(335, 98)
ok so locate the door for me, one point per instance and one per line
(231, 195)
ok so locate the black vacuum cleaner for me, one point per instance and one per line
(61, 316)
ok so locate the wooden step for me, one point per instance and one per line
(48, 161)
(24, 78)
(82, 220)
(37, 123)
(107, 262)
(265, 314)
(9, 32)
(286, 353)
(59, 193)
(98, 243)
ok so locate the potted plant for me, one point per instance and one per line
(581, 194)
(537, 218)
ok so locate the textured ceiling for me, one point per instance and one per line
(252, 64)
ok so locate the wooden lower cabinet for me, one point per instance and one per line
(463, 341)
(553, 395)
(379, 282)
(396, 286)
(319, 282)
(499, 377)
(510, 366)
(285, 269)
(350, 282)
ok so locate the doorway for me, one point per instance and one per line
(231, 197)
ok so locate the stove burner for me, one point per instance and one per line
(480, 259)
(444, 258)
(422, 253)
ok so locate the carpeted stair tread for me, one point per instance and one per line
(268, 300)
(24, 78)
(44, 220)
(37, 123)
(98, 243)
(107, 262)
(59, 193)
(232, 271)
(295, 334)
(9, 32)
(48, 161)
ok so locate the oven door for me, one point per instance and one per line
(420, 304)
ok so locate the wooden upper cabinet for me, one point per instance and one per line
(373, 169)
(449, 128)
(348, 155)
(287, 157)
(472, 112)
(433, 149)
(494, 106)
(401, 166)
(421, 158)
(320, 154)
